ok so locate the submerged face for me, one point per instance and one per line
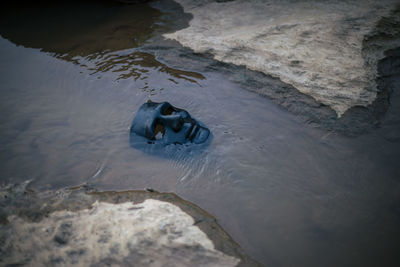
(164, 123)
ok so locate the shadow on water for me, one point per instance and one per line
(77, 28)
(91, 34)
(177, 152)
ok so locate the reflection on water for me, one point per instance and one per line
(91, 34)
(77, 28)
(136, 65)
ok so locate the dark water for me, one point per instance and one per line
(72, 76)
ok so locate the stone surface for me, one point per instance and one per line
(319, 47)
(132, 228)
(151, 231)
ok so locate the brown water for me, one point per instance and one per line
(72, 77)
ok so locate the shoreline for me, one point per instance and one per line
(23, 209)
(355, 121)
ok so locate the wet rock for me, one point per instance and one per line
(140, 228)
(64, 233)
(153, 230)
(321, 48)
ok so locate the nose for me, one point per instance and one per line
(175, 122)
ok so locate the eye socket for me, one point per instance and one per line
(178, 126)
(159, 131)
(168, 111)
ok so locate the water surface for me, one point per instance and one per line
(288, 193)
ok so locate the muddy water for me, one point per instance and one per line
(288, 193)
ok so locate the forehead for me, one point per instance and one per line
(150, 111)
(152, 106)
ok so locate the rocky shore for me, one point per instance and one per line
(83, 227)
(327, 50)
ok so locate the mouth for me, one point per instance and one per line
(191, 134)
(197, 134)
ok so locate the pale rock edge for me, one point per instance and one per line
(153, 230)
(315, 46)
